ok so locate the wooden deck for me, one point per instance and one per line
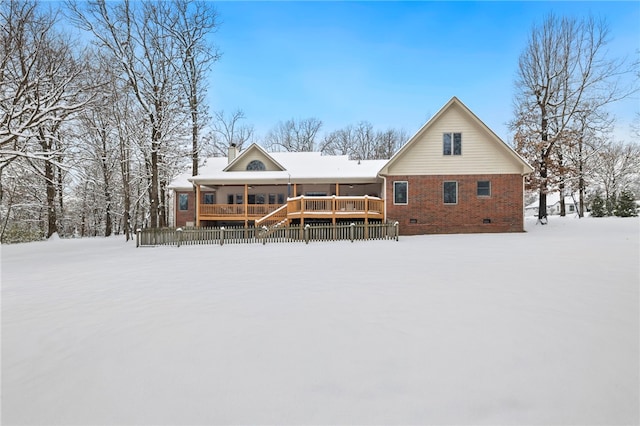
(299, 208)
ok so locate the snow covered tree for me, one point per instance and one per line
(143, 51)
(626, 205)
(598, 208)
(189, 24)
(564, 73)
(616, 168)
(40, 90)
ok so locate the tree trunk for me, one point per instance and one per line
(52, 222)
(126, 216)
(162, 207)
(194, 139)
(542, 206)
(108, 228)
(561, 185)
(153, 187)
(580, 178)
(59, 190)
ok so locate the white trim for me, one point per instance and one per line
(406, 182)
(490, 192)
(457, 192)
(453, 144)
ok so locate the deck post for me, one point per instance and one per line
(198, 205)
(302, 216)
(366, 217)
(246, 204)
(334, 208)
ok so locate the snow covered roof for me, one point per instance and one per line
(296, 167)
(553, 198)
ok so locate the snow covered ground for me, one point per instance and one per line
(521, 329)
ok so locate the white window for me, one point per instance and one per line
(183, 202)
(401, 192)
(450, 192)
(452, 144)
(484, 188)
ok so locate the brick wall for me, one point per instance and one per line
(184, 216)
(426, 212)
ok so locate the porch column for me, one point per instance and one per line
(246, 205)
(197, 201)
(337, 189)
(366, 217)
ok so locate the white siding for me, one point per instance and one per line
(482, 152)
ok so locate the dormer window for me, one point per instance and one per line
(256, 165)
(452, 144)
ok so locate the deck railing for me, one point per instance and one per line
(237, 210)
(273, 218)
(336, 206)
(297, 207)
(240, 235)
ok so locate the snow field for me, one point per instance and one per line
(531, 328)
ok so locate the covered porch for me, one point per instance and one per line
(266, 205)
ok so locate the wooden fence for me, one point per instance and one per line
(241, 235)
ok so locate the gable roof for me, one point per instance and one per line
(492, 137)
(253, 150)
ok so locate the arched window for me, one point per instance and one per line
(256, 165)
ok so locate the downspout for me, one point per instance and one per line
(384, 192)
(523, 201)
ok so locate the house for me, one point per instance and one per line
(553, 205)
(453, 176)
(255, 187)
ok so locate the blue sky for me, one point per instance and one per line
(394, 64)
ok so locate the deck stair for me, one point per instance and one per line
(276, 217)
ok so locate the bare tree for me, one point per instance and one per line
(228, 130)
(339, 142)
(617, 169)
(294, 135)
(364, 141)
(562, 74)
(586, 137)
(361, 142)
(189, 23)
(40, 89)
(388, 142)
(143, 51)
